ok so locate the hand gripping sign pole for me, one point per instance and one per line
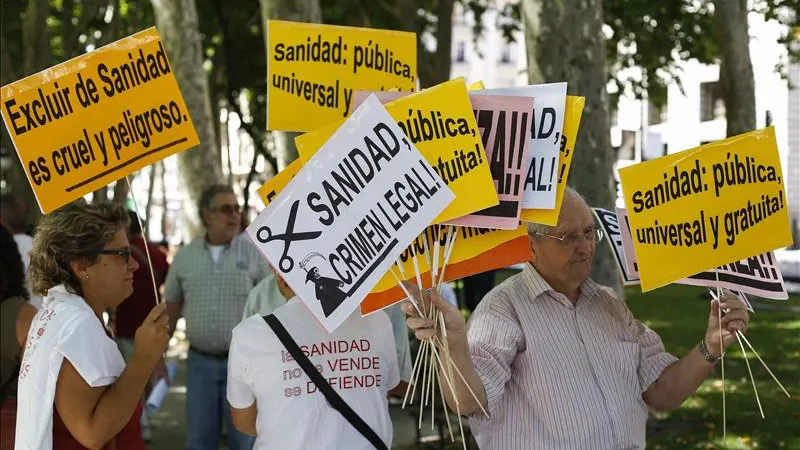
(433, 362)
(743, 340)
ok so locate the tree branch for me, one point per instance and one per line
(250, 128)
(89, 10)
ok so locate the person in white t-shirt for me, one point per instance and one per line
(358, 360)
(74, 389)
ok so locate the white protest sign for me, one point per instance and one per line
(631, 268)
(344, 219)
(758, 275)
(541, 175)
(608, 220)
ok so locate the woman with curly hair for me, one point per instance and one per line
(15, 319)
(75, 390)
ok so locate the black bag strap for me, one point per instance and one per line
(333, 398)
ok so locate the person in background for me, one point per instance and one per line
(289, 412)
(15, 320)
(264, 298)
(128, 316)
(75, 390)
(14, 216)
(559, 361)
(208, 284)
(476, 287)
(400, 332)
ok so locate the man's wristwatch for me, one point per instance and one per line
(707, 354)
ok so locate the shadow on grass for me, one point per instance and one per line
(680, 315)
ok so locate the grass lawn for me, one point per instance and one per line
(679, 314)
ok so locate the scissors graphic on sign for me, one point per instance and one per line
(286, 262)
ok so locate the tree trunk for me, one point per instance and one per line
(298, 11)
(162, 178)
(148, 206)
(11, 169)
(67, 29)
(735, 69)
(199, 167)
(111, 34)
(38, 54)
(564, 42)
(138, 11)
(442, 59)
(215, 98)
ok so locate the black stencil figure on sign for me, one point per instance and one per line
(328, 290)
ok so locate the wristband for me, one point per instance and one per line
(707, 354)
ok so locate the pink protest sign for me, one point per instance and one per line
(504, 123)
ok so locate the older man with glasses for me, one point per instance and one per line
(208, 284)
(558, 361)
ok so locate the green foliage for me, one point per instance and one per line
(73, 26)
(11, 26)
(235, 55)
(655, 38)
(786, 12)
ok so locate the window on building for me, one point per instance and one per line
(459, 15)
(627, 149)
(508, 55)
(461, 51)
(712, 107)
(656, 113)
(614, 116)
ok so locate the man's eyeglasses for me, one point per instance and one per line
(572, 240)
(125, 254)
(228, 209)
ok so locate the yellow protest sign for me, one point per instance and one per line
(440, 122)
(313, 69)
(572, 122)
(96, 118)
(475, 250)
(275, 185)
(476, 86)
(705, 207)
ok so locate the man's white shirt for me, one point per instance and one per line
(358, 360)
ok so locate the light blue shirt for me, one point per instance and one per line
(264, 298)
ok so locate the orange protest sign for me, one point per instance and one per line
(94, 119)
(475, 250)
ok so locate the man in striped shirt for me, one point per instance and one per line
(558, 361)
